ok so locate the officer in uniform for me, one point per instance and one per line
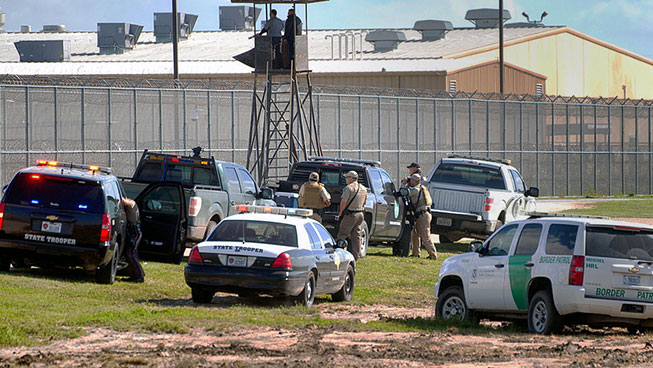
(134, 235)
(413, 168)
(421, 200)
(313, 195)
(352, 203)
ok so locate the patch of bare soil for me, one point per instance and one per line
(315, 346)
(647, 221)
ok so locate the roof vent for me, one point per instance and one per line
(53, 28)
(432, 30)
(384, 41)
(115, 38)
(486, 18)
(238, 18)
(2, 21)
(43, 51)
(25, 28)
(163, 26)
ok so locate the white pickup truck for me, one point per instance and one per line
(474, 196)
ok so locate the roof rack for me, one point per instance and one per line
(351, 160)
(556, 214)
(499, 160)
(70, 165)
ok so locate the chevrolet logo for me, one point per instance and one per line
(633, 269)
(52, 218)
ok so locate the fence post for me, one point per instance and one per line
(596, 149)
(208, 120)
(453, 125)
(160, 120)
(135, 130)
(360, 128)
(636, 151)
(435, 130)
(398, 139)
(378, 107)
(553, 150)
(650, 161)
(567, 144)
(83, 123)
(56, 139)
(417, 128)
(4, 134)
(183, 109)
(487, 127)
(609, 151)
(623, 155)
(505, 144)
(470, 128)
(537, 144)
(233, 128)
(109, 125)
(339, 127)
(521, 138)
(582, 150)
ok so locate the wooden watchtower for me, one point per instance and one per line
(283, 127)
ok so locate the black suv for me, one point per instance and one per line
(384, 210)
(67, 214)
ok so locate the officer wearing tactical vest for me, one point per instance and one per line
(313, 195)
(413, 168)
(352, 203)
(421, 200)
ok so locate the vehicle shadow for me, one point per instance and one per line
(76, 275)
(221, 300)
(455, 248)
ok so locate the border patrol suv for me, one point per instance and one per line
(554, 270)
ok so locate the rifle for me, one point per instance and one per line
(409, 208)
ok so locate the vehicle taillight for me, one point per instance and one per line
(283, 262)
(2, 213)
(489, 201)
(195, 256)
(576, 270)
(105, 231)
(194, 206)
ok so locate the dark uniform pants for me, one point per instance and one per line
(131, 252)
(350, 227)
(277, 58)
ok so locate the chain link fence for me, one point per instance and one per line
(564, 146)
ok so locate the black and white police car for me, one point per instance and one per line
(274, 251)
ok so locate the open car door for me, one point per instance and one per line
(162, 207)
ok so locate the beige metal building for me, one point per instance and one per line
(550, 60)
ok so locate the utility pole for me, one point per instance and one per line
(501, 46)
(175, 40)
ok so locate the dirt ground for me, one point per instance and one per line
(315, 346)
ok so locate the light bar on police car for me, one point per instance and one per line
(70, 165)
(304, 212)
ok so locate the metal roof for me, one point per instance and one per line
(211, 52)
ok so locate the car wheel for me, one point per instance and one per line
(402, 247)
(307, 296)
(5, 264)
(543, 318)
(201, 296)
(449, 237)
(209, 228)
(451, 305)
(346, 292)
(107, 274)
(365, 239)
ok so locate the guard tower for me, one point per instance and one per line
(283, 128)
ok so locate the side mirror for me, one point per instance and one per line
(476, 246)
(266, 193)
(342, 244)
(403, 191)
(532, 192)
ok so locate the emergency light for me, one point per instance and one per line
(303, 212)
(93, 168)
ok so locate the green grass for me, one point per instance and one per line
(625, 208)
(39, 305)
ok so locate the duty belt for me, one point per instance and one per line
(421, 212)
(349, 212)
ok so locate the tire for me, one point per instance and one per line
(107, 274)
(451, 304)
(365, 239)
(307, 296)
(543, 318)
(449, 237)
(401, 248)
(209, 227)
(346, 292)
(5, 264)
(201, 296)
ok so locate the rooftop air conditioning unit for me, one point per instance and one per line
(163, 26)
(238, 18)
(115, 38)
(43, 51)
(486, 18)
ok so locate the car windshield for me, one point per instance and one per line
(63, 193)
(474, 175)
(614, 243)
(255, 232)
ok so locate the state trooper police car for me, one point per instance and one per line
(274, 251)
(554, 270)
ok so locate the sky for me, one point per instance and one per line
(624, 23)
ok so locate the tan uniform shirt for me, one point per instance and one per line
(420, 197)
(132, 211)
(308, 202)
(350, 190)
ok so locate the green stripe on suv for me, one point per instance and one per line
(519, 278)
